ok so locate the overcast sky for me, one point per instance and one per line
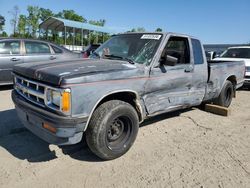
(214, 21)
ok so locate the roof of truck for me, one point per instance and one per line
(160, 33)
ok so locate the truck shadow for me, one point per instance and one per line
(19, 142)
(24, 145)
(84, 154)
(6, 87)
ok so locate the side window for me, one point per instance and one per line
(178, 47)
(10, 47)
(197, 50)
(56, 50)
(36, 48)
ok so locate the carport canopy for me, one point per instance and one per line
(63, 25)
(59, 24)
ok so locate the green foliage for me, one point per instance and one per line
(138, 29)
(21, 26)
(158, 30)
(45, 14)
(100, 22)
(2, 22)
(70, 15)
(4, 34)
(33, 19)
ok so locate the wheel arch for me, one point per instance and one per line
(129, 96)
(233, 80)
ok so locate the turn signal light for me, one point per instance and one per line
(49, 127)
(66, 96)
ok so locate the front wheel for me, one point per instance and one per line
(226, 95)
(112, 129)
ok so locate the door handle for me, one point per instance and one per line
(15, 59)
(52, 57)
(189, 69)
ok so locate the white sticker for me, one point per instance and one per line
(154, 37)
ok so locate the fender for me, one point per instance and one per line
(139, 104)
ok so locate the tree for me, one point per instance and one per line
(138, 29)
(45, 14)
(70, 15)
(2, 22)
(158, 30)
(22, 23)
(14, 13)
(4, 34)
(100, 22)
(33, 19)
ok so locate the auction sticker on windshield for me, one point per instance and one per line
(154, 37)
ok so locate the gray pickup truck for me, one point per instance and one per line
(129, 78)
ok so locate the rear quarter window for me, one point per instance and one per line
(197, 52)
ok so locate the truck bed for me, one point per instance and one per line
(219, 72)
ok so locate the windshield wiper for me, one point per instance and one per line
(121, 58)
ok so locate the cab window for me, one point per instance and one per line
(178, 47)
(197, 51)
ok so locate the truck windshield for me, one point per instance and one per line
(237, 53)
(134, 48)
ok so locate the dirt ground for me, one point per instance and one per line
(190, 148)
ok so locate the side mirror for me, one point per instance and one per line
(169, 60)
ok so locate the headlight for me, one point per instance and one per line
(55, 98)
(59, 99)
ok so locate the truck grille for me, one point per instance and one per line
(32, 91)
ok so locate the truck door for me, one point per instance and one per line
(169, 87)
(10, 55)
(200, 72)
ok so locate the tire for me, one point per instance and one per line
(226, 95)
(112, 129)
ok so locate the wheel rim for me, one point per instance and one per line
(228, 96)
(118, 133)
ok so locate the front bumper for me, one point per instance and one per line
(247, 80)
(68, 130)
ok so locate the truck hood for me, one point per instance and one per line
(247, 61)
(77, 71)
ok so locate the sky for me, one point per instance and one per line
(212, 21)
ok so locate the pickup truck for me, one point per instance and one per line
(239, 53)
(131, 77)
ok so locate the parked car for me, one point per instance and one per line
(89, 50)
(131, 77)
(210, 55)
(16, 51)
(239, 53)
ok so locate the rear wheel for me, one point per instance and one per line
(226, 95)
(112, 129)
